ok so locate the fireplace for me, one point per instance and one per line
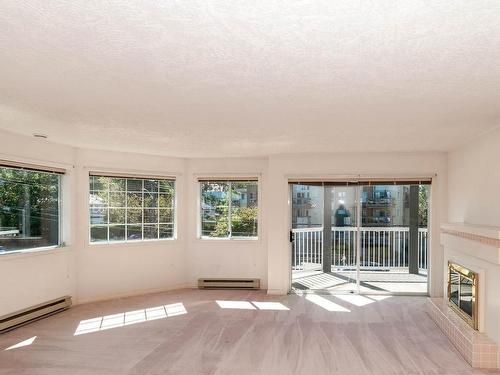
(466, 314)
(463, 293)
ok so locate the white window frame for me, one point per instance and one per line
(34, 167)
(251, 178)
(126, 241)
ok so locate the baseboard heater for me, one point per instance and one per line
(30, 314)
(223, 283)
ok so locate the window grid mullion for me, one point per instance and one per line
(126, 222)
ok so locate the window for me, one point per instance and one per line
(29, 209)
(131, 209)
(226, 209)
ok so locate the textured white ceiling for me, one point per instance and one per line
(244, 78)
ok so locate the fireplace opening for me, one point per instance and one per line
(462, 292)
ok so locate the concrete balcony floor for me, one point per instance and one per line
(383, 281)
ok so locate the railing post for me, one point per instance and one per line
(413, 232)
(327, 229)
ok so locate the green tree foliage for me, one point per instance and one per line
(216, 215)
(23, 192)
(244, 221)
(423, 205)
(215, 200)
(221, 228)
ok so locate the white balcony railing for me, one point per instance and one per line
(381, 247)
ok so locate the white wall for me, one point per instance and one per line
(90, 272)
(283, 167)
(93, 272)
(474, 181)
(110, 270)
(28, 279)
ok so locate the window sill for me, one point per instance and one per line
(233, 239)
(113, 244)
(17, 254)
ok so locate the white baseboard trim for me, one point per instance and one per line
(81, 301)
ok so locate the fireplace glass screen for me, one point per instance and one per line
(454, 287)
(462, 292)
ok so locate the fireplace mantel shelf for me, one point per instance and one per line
(472, 229)
(485, 240)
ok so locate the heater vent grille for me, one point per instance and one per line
(228, 283)
(30, 314)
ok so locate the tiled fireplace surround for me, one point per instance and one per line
(463, 243)
(477, 348)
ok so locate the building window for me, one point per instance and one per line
(29, 209)
(131, 209)
(227, 211)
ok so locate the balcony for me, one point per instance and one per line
(383, 260)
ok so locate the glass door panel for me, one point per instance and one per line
(344, 223)
(306, 234)
(393, 239)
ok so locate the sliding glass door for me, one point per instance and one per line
(360, 237)
(343, 242)
(393, 237)
(324, 236)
